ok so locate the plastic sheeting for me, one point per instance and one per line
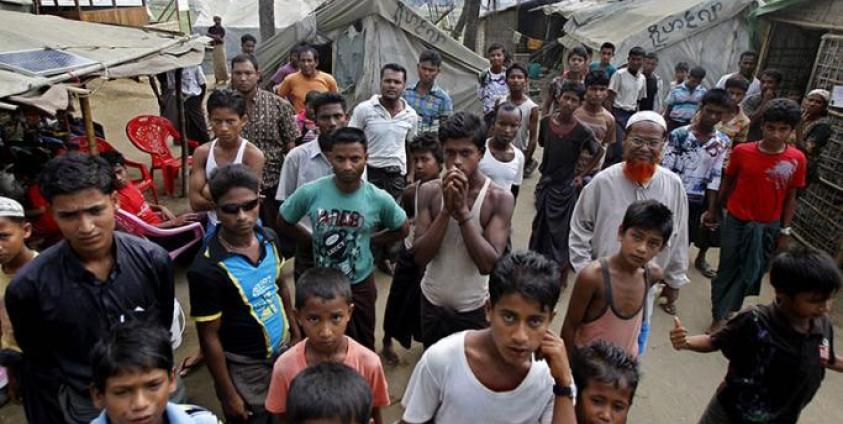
(244, 13)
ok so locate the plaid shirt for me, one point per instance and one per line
(429, 107)
(271, 126)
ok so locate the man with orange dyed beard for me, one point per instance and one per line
(601, 206)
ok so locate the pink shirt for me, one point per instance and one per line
(293, 361)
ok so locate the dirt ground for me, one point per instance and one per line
(675, 386)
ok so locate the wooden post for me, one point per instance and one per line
(185, 172)
(88, 119)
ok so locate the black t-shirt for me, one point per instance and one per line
(562, 151)
(774, 371)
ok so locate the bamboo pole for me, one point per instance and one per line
(182, 132)
(88, 119)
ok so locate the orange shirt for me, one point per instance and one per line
(296, 86)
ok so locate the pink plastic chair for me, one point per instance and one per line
(150, 134)
(144, 183)
(131, 224)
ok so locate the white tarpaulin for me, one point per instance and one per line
(244, 13)
(707, 33)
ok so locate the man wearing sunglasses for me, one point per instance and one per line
(238, 299)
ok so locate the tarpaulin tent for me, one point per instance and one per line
(707, 33)
(366, 34)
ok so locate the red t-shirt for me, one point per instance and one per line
(132, 201)
(45, 225)
(762, 181)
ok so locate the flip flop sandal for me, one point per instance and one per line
(669, 308)
(186, 369)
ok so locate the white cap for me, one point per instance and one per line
(647, 115)
(10, 207)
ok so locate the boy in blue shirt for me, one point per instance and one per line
(348, 216)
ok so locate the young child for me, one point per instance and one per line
(575, 72)
(401, 319)
(134, 377)
(493, 80)
(14, 254)
(777, 353)
(515, 371)
(329, 393)
(610, 294)
(606, 377)
(680, 71)
(323, 309)
(502, 162)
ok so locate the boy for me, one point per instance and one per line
(493, 80)
(238, 298)
(759, 194)
(754, 105)
(606, 378)
(575, 73)
(323, 310)
(653, 83)
(403, 306)
(431, 102)
(610, 294)
(527, 136)
(736, 124)
(778, 352)
(515, 371)
(134, 377)
(348, 215)
(607, 52)
(597, 118)
(329, 393)
(248, 44)
(501, 162)
(680, 72)
(682, 102)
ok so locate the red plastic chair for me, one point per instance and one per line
(131, 224)
(144, 183)
(150, 134)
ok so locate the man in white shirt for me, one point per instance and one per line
(193, 88)
(626, 87)
(746, 66)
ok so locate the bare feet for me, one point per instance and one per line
(389, 355)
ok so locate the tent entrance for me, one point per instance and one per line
(792, 50)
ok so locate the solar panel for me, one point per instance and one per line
(42, 62)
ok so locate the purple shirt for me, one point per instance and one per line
(282, 73)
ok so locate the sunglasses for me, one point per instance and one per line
(233, 208)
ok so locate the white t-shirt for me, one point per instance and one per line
(386, 135)
(628, 89)
(444, 388)
(504, 174)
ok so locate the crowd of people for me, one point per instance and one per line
(402, 182)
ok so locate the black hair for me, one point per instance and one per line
(329, 391)
(717, 97)
(496, 46)
(328, 98)
(73, 172)
(637, 51)
(248, 37)
(746, 53)
(507, 107)
(801, 269)
(573, 86)
(649, 215)
(772, 73)
(461, 125)
(652, 56)
(230, 176)
(298, 48)
(131, 346)
(310, 97)
(681, 66)
(113, 157)
(311, 49)
(597, 77)
(348, 135)
(226, 98)
(608, 45)
(737, 82)
(428, 142)
(516, 66)
(697, 72)
(394, 67)
(578, 51)
(529, 274)
(606, 363)
(245, 58)
(782, 110)
(324, 283)
(431, 56)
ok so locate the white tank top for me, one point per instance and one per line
(211, 164)
(451, 279)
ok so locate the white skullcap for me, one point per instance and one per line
(649, 116)
(822, 93)
(10, 207)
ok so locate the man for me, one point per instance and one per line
(746, 68)
(697, 153)
(309, 162)
(291, 67)
(598, 119)
(682, 102)
(462, 227)
(271, 127)
(348, 216)
(217, 34)
(655, 84)
(493, 80)
(296, 86)
(430, 102)
(626, 87)
(389, 124)
(754, 105)
(607, 52)
(248, 44)
(526, 138)
(67, 298)
(193, 87)
(602, 204)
